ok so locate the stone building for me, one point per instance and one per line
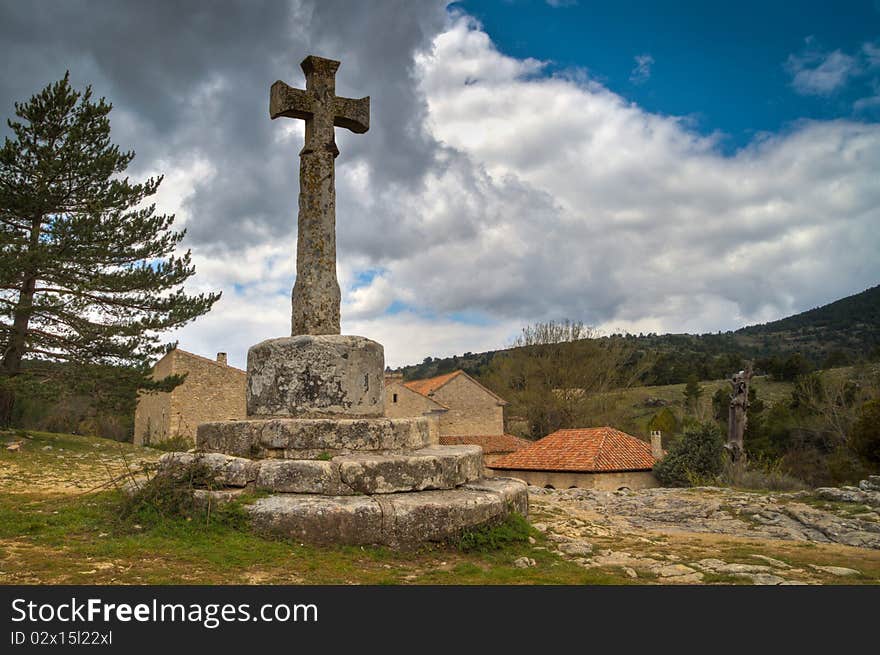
(462, 405)
(212, 391)
(588, 458)
(461, 411)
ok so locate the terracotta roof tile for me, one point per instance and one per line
(491, 443)
(430, 385)
(586, 450)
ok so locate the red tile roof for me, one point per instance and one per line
(584, 450)
(430, 385)
(491, 443)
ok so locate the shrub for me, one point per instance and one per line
(698, 454)
(865, 433)
(514, 529)
(664, 421)
(169, 496)
(760, 475)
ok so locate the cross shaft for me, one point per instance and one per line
(316, 295)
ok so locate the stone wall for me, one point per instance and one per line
(401, 402)
(153, 413)
(211, 392)
(472, 409)
(600, 481)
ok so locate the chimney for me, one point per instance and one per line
(657, 444)
(221, 359)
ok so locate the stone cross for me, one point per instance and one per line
(316, 290)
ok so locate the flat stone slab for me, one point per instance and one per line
(311, 438)
(228, 471)
(316, 375)
(435, 467)
(400, 519)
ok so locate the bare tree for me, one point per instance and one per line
(559, 374)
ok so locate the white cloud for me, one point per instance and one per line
(871, 52)
(553, 197)
(820, 72)
(814, 74)
(641, 72)
(405, 334)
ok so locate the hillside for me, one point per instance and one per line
(836, 334)
(632, 409)
(850, 325)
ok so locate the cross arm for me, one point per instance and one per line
(287, 101)
(352, 114)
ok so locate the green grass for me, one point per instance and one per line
(627, 410)
(84, 540)
(53, 530)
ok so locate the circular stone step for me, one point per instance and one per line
(401, 519)
(436, 467)
(289, 438)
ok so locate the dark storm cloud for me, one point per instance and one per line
(190, 81)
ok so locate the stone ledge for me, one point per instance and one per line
(437, 467)
(288, 438)
(401, 519)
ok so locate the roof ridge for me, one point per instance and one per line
(205, 359)
(604, 433)
(447, 378)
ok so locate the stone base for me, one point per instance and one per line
(315, 376)
(438, 467)
(310, 438)
(397, 520)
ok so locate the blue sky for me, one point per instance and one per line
(648, 167)
(723, 64)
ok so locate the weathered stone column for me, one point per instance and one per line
(316, 296)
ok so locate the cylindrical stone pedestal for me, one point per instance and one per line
(313, 376)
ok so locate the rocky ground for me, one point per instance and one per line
(52, 530)
(711, 534)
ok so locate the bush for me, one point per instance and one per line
(697, 455)
(514, 529)
(169, 496)
(865, 433)
(759, 475)
(664, 421)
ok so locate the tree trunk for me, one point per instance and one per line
(11, 364)
(15, 349)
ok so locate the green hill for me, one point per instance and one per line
(850, 326)
(836, 334)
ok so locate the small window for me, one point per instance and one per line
(394, 398)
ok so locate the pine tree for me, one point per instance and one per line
(89, 275)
